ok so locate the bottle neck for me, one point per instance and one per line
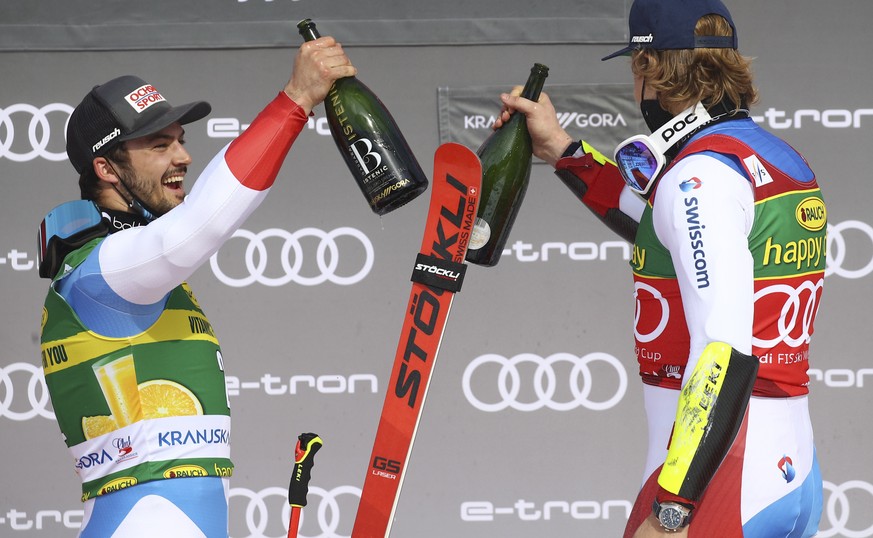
(307, 29)
(535, 82)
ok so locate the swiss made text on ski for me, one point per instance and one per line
(438, 273)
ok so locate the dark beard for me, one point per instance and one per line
(134, 200)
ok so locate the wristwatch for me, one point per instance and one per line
(671, 515)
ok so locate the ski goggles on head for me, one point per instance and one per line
(641, 158)
(64, 229)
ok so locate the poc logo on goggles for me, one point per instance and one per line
(640, 158)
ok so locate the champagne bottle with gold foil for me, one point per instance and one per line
(370, 142)
(506, 157)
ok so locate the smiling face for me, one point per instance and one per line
(155, 168)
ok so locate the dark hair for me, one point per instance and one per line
(683, 77)
(89, 183)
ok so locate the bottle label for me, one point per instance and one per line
(373, 149)
(370, 161)
(387, 191)
(481, 234)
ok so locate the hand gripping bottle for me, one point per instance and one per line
(506, 160)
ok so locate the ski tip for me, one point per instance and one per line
(451, 146)
(460, 161)
(454, 151)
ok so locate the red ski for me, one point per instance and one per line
(437, 276)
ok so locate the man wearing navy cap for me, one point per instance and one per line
(132, 364)
(719, 211)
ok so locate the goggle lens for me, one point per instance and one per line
(637, 164)
(66, 221)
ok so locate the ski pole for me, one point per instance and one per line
(304, 457)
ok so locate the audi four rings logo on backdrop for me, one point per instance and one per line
(35, 390)
(838, 250)
(267, 520)
(40, 137)
(835, 518)
(286, 249)
(528, 382)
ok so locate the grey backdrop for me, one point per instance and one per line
(313, 353)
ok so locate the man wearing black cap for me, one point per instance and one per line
(728, 226)
(132, 364)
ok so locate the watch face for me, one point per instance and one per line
(670, 518)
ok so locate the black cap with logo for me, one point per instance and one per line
(670, 24)
(122, 109)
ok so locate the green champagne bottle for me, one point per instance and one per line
(370, 142)
(506, 161)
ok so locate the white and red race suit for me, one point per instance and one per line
(730, 247)
(158, 475)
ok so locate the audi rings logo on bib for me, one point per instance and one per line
(797, 307)
(561, 382)
(848, 507)
(23, 392)
(849, 251)
(309, 256)
(28, 132)
(328, 513)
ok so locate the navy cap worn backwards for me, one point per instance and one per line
(669, 24)
(122, 109)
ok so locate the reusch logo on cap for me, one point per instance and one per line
(106, 139)
(642, 38)
(143, 97)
